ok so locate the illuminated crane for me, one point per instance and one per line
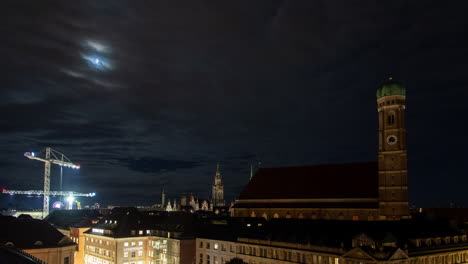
(51, 156)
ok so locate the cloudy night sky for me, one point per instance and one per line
(150, 93)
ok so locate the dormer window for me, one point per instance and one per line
(428, 242)
(418, 242)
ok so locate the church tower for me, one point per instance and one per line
(393, 174)
(218, 190)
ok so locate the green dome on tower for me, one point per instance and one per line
(391, 88)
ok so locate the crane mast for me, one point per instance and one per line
(45, 210)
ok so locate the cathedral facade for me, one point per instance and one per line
(355, 191)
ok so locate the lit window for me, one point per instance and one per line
(140, 253)
(126, 244)
(140, 243)
(140, 232)
(125, 254)
(148, 232)
(133, 243)
(337, 261)
(215, 245)
(140, 262)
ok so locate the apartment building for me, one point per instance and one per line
(127, 236)
(333, 242)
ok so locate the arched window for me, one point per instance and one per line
(276, 215)
(391, 118)
(265, 216)
(253, 214)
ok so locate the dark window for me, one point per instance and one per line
(66, 260)
(201, 259)
(391, 119)
(133, 254)
(208, 245)
(201, 244)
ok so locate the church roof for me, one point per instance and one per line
(391, 88)
(353, 180)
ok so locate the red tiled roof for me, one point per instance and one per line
(353, 180)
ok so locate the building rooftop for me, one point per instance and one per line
(391, 88)
(314, 182)
(128, 222)
(10, 254)
(30, 233)
(73, 218)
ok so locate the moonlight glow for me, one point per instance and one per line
(97, 62)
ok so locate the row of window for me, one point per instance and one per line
(217, 246)
(100, 251)
(133, 243)
(100, 241)
(393, 102)
(133, 254)
(216, 260)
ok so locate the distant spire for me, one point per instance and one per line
(251, 171)
(163, 198)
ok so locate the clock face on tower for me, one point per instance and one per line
(392, 139)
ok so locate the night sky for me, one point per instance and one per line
(150, 93)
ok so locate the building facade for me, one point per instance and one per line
(332, 243)
(37, 238)
(355, 191)
(127, 236)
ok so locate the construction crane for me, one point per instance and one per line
(51, 156)
(70, 198)
(51, 193)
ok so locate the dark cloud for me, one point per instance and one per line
(190, 84)
(155, 165)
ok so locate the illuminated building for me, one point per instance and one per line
(355, 191)
(127, 236)
(332, 242)
(73, 223)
